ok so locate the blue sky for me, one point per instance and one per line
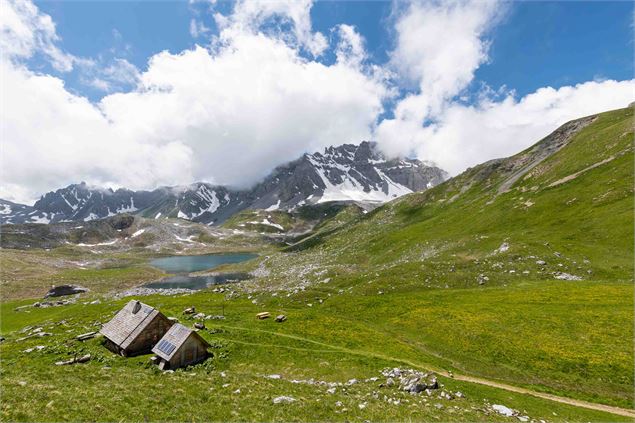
(537, 44)
(144, 94)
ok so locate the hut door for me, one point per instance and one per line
(189, 356)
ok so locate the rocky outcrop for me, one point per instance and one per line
(61, 290)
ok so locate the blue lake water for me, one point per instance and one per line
(182, 265)
(187, 264)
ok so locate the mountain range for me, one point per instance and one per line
(351, 173)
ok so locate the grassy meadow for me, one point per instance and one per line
(320, 343)
(531, 287)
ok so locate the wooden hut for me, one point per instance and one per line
(180, 347)
(135, 329)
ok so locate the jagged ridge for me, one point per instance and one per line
(348, 173)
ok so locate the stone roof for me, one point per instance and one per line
(128, 323)
(173, 339)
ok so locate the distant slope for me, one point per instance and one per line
(566, 201)
(351, 173)
(12, 212)
(126, 232)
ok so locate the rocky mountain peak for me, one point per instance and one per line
(345, 173)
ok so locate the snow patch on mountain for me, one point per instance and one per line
(137, 233)
(273, 207)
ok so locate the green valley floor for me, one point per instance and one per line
(510, 336)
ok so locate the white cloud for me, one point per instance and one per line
(26, 31)
(439, 47)
(198, 28)
(465, 136)
(227, 114)
(116, 75)
(252, 16)
(51, 137)
(350, 48)
(440, 44)
(248, 107)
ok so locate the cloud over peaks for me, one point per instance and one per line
(225, 113)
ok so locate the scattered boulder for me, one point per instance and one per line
(190, 310)
(82, 359)
(263, 315)
(541, 262)
(281, 318)
(173, 319)
(199, 325)
(85, 336)
(503, 248)
(283, 400)
(215, 317)
(417, 387)
(482, 279)
(34, 335)
(200, 316)
(61, 290)
(446, 395)
(567, 277)
(412, 381)
(505, 411)
(45, 304)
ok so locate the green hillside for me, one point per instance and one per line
(519, 269)
(587, 219)
(518, 272)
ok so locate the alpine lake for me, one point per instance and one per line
(181, 266)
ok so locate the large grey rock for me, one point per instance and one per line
(61, 290)
(503, 410)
